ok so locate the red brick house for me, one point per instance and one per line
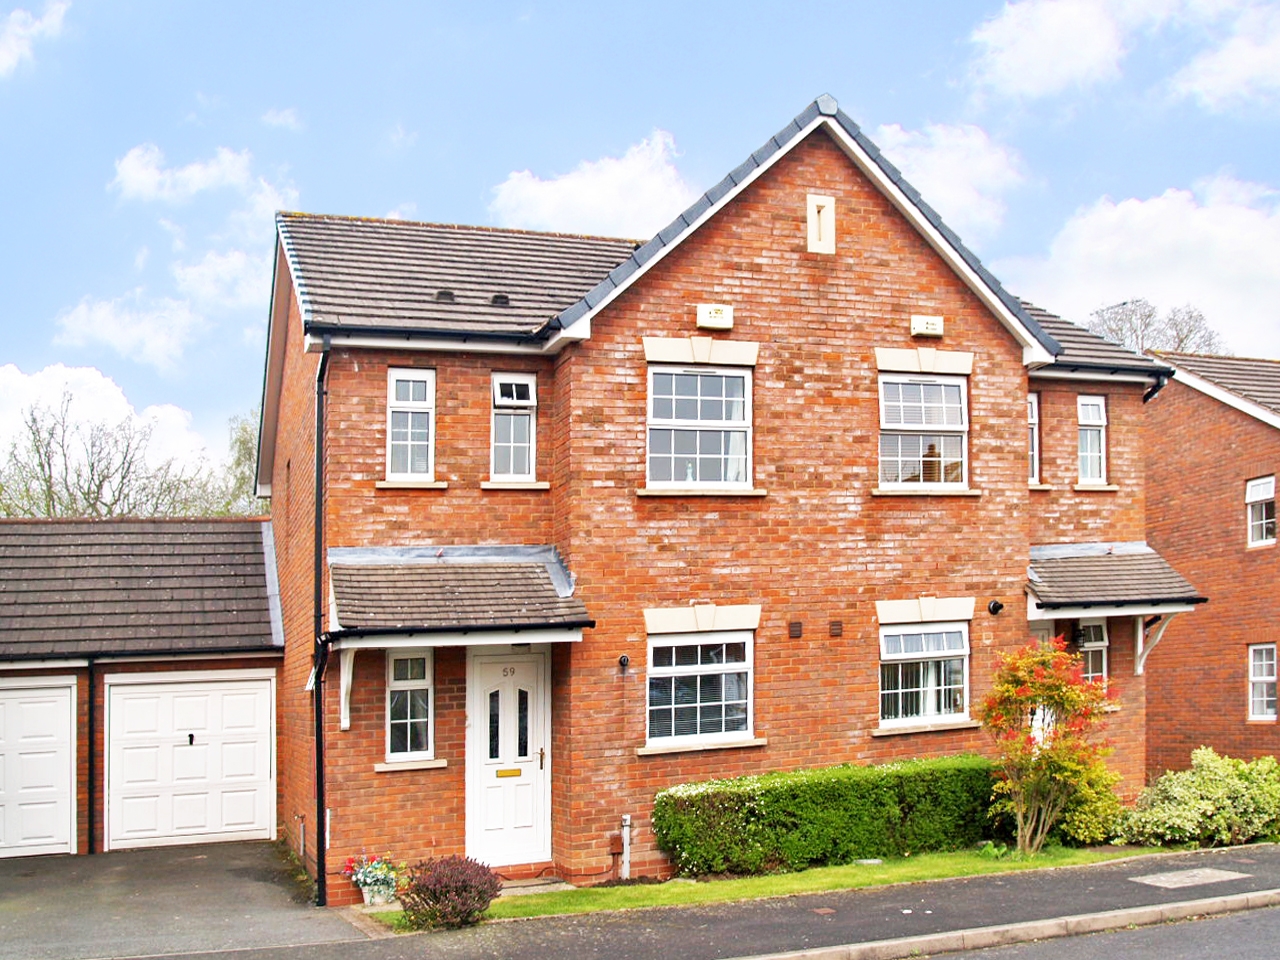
(1213, 452)
(563, 521)
(138, 667)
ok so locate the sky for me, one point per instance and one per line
(1089, 151)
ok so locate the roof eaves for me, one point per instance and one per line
(1226, 395)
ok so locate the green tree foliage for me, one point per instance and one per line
(1137, 324)
(1043, 716)
(58, 467)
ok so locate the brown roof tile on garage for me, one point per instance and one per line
(451, 596)
(128, 587)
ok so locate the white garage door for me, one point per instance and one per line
(37, 768)
(190, 761)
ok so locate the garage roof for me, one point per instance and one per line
(104, 588)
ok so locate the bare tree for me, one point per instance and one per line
(60, 468)
(238, 477)
(1138, 325)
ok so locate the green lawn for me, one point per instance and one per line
(925, 866)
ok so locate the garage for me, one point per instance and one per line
(37, 766)
(190, 758)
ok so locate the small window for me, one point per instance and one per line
(515, 414)
(1262, 681)
(1260, 501)
(1033, 438)
(924, 673)
(411, 403)
(699, 428)
(700, 687)
(923, 432)
(1092, 643)
(410, 711)
(1092, 412)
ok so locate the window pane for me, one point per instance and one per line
(663, 656)
(686, 690)
(494, 720)
(522, 723)
(660, 691)
(660, 723)
(418, 704)
(399, 738)
(399, 708)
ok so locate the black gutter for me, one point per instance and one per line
(91, 793)
(1155, 388)
(320, 654)
(353, 632)
(1069, 604)
(402, 333)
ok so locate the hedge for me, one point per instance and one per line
(789, 821)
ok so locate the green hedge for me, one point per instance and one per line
(788, 821)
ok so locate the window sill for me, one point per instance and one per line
(412, 485)
(515, 485)
(700, 492)
(1039, 486)
(1261, 720)
(399, 765)
(926, 728)
(1095, 488)
(1262, 545)
(924, 492)
(694, 747)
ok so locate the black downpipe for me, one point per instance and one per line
(320, 655)
(93, 767)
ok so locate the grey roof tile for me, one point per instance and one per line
(1113, 579)
(1082, 350)
(1257, 381)
(118, 587)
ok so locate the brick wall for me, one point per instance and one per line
(1199, 454)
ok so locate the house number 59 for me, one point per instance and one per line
(508, 671)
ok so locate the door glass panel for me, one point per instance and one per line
(522, 722)
(494, 716)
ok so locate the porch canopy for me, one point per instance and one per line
(401, 597)
(1071, 581)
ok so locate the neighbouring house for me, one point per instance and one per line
(1213, 452)
(562, 521)
(138, 667)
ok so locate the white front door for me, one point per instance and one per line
(37, 770)
(508, 758)
(190, 761)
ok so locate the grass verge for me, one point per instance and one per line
(925, 866)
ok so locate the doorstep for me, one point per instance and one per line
(520, 888)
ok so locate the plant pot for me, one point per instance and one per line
(376, 896)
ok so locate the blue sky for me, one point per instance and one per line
(1090, 151)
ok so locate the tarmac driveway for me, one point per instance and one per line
(146, 903)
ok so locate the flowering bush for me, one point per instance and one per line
(447, 892)
(373, 873)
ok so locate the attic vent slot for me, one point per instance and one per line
(444, 296)
(501, 300)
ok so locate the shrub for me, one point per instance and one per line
(788, 821)
(447, 892)
(1220, 801)
(1092, 815)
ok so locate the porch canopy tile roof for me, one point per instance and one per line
(85, 588)
(1106, 574)
(451, 596)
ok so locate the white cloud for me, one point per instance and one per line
(255, 220)
(403, 211)
(95, 397)
(959, 170)
(141, 174)
(154, 332)
(230, 280)
(634, 195)
(398, 138)
(1245, 67)
(1215, 247)
(287, 118)
(20, 30)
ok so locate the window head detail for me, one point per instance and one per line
(1260, 502)
(411, 401)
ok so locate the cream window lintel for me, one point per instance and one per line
(724, 353)
(924, 360)
(925, 610)
(702, 618)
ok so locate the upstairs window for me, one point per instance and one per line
(1260, 501)
(924, 673)
(515, 411)
(1093, 643)
(1262, 681)
(411, 423)
(409, 707)
(1092, 415)
(1033, 438)
(699, 428)
(923, 432)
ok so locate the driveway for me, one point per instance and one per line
(220, 896)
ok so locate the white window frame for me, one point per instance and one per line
(1033, 438)
(889, 427)
(1094, 640)
(508, 402)
(1262, 681)
(699, 670)
(412, 407)
(1091, 414)
(928, 715)
(709, 426)
(1260, 493)
(427, 683)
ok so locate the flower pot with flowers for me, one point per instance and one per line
(377, 877)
